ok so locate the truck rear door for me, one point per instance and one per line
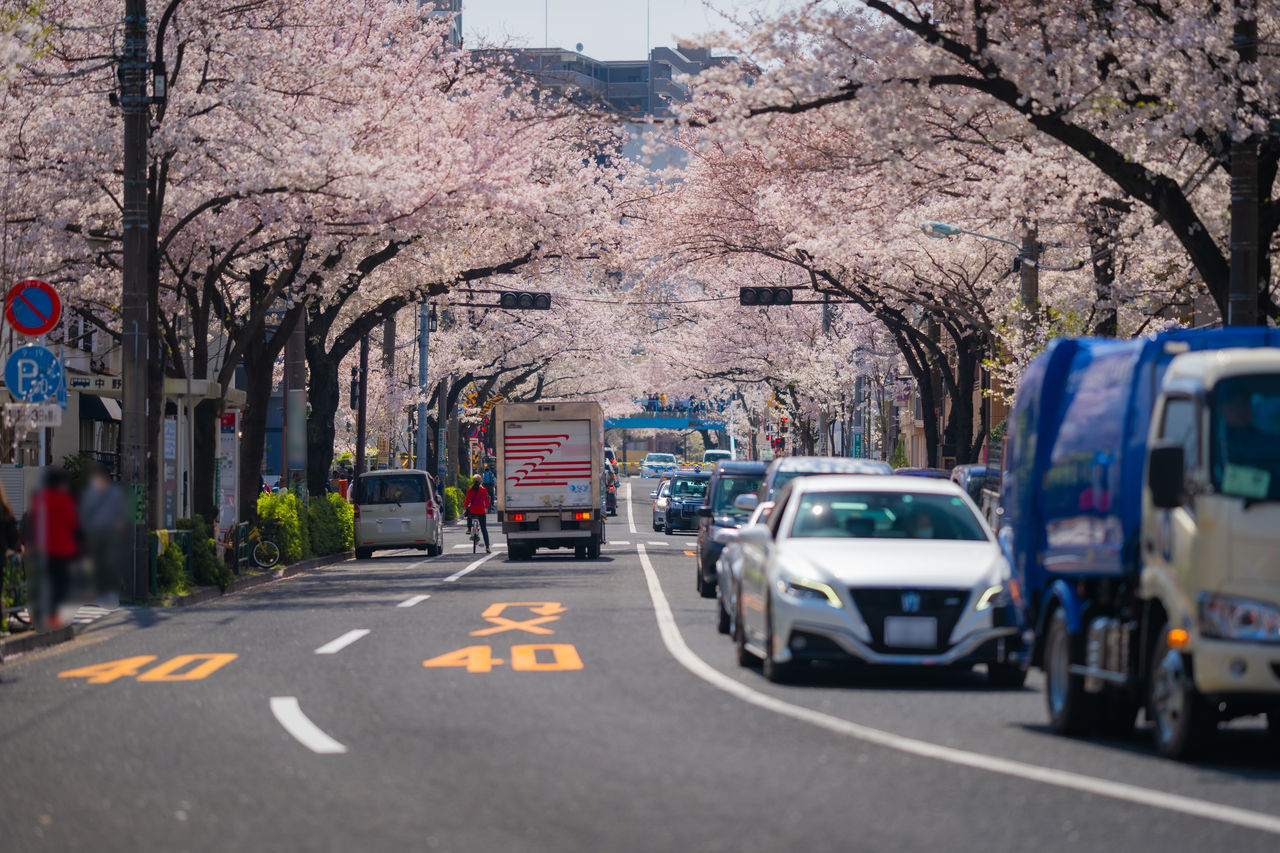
(547, 464)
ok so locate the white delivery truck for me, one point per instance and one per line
(550, 458)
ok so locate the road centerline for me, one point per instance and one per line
(471, 568)
(410, 602)
(336, 645)
(288, 713)
(676, 646)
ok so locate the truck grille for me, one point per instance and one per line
(944, 605)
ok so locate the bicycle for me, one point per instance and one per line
(473, 527)
(264, 552)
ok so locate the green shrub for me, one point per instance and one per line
(173, 578)
(899, 457)
(331, 524)
(206, 568)
(278, 520)
(453, 499)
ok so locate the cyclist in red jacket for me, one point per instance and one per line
(476, 505)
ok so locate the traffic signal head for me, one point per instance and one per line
(765, 295)
(783, 426)
(514, 300)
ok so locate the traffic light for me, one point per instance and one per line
(765, 295)
(782, 426)
(355, 387)
(514, 300)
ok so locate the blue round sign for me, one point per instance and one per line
(33, 374)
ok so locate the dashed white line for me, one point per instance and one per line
(409, 602)
(334, 646)
(471, 568)
(621, 542)
(307, 733)
(631, 516)
(657, 544)
(676, 646)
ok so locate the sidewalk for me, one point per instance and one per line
(89, 614)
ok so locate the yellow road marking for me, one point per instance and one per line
(690, 554)
(542, 608)
(502, 624)
(168, 671)
(105, 673)
(524, 658)
(474, 658)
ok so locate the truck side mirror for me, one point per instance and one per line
(1166, 471)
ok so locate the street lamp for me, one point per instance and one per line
(942, 230)
(1028, 261)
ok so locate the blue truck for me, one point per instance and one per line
(1140, 512)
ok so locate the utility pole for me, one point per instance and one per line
(295, 407)
(361, 405)
(135, 442)
(1242, 289)
(442, 395)
(387, 444)
(1029, 269)
(424, 342)
(822, 409)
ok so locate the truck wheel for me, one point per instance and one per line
(364, 553)
(593, 548)
(1181, 715)
(515, 552)
(1007, 676)
(1070, 707)
(579, 552)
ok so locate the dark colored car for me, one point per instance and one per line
(973, 479)
(934, 473)
(688, 491)
(729, 480)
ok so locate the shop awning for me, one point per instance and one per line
(95, 408)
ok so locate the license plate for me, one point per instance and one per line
(915, 632)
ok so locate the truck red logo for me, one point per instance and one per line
(530, 463)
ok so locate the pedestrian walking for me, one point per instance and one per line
(53, 538)
(490, 481)
(104, 516)
(476, 505)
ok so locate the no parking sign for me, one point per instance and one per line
(32, 307)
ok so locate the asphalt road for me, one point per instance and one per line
(570, 705)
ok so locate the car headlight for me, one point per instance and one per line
(808, 590)
(994, 596)
(1229, 618)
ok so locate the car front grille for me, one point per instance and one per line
(944, 605)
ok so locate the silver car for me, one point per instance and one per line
(729, 563)
(661, 497)
(784, 470)
(879, 570)
(397, 508)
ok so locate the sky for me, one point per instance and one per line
(607, 29)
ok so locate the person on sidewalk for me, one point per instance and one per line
(53, 538)
(476, 505)
(105, 519)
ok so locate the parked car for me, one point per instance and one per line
(657, 464)
(718, 512)
(397, 509)
(660, 496)
(787, 468)
(880, 570)
(711, 457)
(688, 491)
(935, 473)
(973, 479)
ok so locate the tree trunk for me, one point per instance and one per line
(324, 396)
(205, 428)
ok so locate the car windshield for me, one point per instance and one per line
(688, 488)
(1246, 437)
(661, 457)
(729, 490)
(885, 515)
(397, 488)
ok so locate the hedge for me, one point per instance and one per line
(332, 522)
(280, 521)
(453, 499)
(206, 568)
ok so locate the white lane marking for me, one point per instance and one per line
(296, 723)
(619, 542)
(461, 545)
(409, 602)
(676, 646)
(466, 545)
(471, 568)
(631, 515)
(656, 544)
(334, 646)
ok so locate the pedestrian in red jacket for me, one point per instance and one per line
(53, 540)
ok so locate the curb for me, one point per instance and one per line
(32, 640)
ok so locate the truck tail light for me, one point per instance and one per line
(517, 516)
(582, 516)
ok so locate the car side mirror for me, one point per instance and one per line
(747, 502)
(704, 512)
(755, 534)
(1166, 474)
(653, 494)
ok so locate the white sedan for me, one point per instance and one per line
(878, 570)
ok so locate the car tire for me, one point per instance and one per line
(1273, 723)
(777, 673)
(706, 588)
(723, 622)
(741, 653)
(697, 581)
(364, 553)
(1071, 709)
(1005, 676)
(1181, 718)
(666, 528)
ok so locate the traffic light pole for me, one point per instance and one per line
(134, 436)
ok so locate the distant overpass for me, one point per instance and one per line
(665, 420)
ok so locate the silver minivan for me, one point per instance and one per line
(397, 508)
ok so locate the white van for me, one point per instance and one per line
(397, 508)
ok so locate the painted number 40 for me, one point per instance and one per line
(181, 668)
(532, 657)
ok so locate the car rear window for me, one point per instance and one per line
(728, 490)
(682, 488)
(396, 488)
